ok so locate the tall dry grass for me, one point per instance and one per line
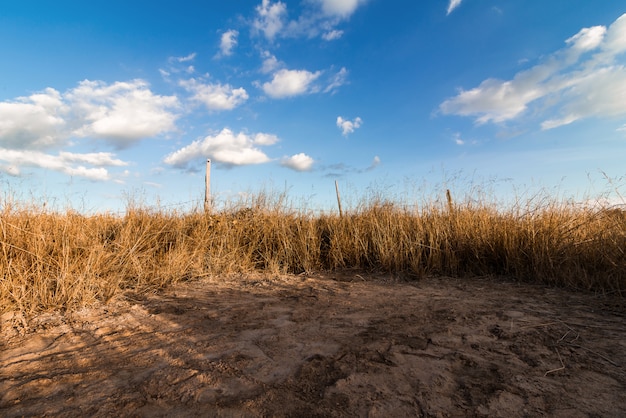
(52, 260)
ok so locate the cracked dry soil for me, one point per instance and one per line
(326, 345)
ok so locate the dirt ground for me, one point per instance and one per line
(324, 345)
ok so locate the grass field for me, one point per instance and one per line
(51, 260)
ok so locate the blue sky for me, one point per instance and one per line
(100, 101)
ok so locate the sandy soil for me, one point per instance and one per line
(333, 345)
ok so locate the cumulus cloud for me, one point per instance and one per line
(225, 147)
(228, 41)
(264, 139)
(36, 121)
(579, 81)
(287, 83)
(121, 113)
(270, 18)
(298, 162)
(453, 5)
(215, 96)
(347, 126)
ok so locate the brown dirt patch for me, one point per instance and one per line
(324, 345)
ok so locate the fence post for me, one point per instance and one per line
(450, 203)
(207, 187)
(338, 199)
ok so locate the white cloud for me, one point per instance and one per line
(332, 35)
(269, 19)
(120, 113)
(215, 96)
(287, 83)
(587, 38)
(298, 162)
(375, 163)
(264, 139)
(10, 170)
(225, 147)
(337, 80)
(615, 41)
(228, 42)
(187, 58)
(320, 19)
(178, 65)
(571, 84)
(600, 93)
(270, 63)
(494, 100)
(35, 121)
(347, 126)
(453, 5)
(341, 8)
(99, 159)
(64, 162)
(555, 123)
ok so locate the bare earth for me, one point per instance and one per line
(324, 345)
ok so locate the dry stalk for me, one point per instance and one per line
(557, 369)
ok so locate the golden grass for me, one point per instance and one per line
(66, 260)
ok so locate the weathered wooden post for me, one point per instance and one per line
(338, 198)
(207, 187)
(450, 203)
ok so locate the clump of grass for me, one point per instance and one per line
(65, 260)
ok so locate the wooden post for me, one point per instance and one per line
(207, 187)
(338, 198)
(449, 198)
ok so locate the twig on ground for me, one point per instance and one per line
(594, 352)
(560, 368)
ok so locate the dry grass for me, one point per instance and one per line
(66, 260)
